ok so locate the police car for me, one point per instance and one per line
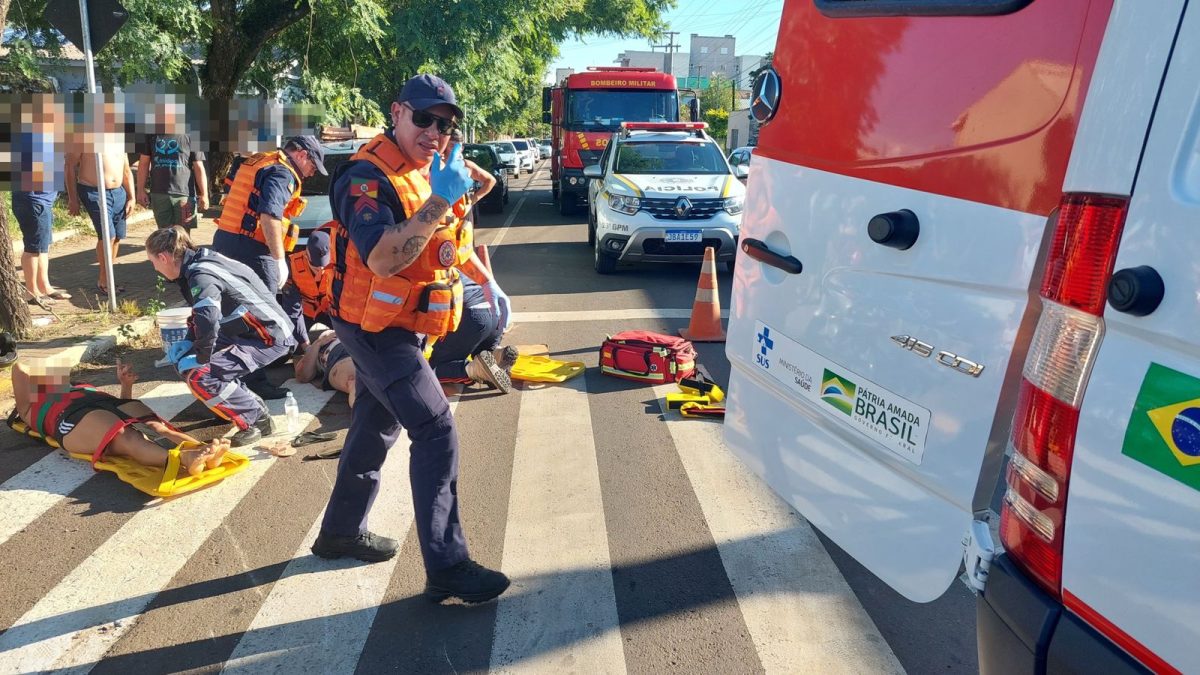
(662, 192)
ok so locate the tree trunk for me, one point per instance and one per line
(14, 313)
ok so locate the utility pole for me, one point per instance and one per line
(670, 47)
(733, 84)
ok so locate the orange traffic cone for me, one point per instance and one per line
(705, 325)
(482, 252)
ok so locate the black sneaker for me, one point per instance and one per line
(367, 547)
(245, 437)
(265, 426)
(8, 350)
(468, 581)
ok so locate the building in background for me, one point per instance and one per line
(561, 73)
(712, 56)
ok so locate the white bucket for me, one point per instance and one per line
(172, 325)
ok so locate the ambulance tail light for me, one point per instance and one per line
(1057, 367)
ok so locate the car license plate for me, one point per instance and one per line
(683, 235)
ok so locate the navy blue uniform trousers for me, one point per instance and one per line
(476, 332)
(397, 389)
(220, 383)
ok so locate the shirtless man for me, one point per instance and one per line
(118, 181)
(76, 416)
(328, 360)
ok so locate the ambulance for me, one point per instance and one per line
(965, 326)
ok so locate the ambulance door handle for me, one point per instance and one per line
(761, 252)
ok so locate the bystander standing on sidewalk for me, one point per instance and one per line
(175, 170)
(34, 194)
(82, 187)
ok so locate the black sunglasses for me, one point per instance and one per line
(422, 120)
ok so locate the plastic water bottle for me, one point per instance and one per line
(292, 410)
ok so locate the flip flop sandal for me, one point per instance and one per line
(324, 454)
(104, 291)
(311, 437)
(59, 295)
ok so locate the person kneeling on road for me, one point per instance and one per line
(84, 420)
(397, 283)
(478, 338)
(328, 361)
(236, 328)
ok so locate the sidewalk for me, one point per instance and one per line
(73, 268)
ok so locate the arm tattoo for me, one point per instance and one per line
(406, 254)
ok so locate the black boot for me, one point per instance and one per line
(265, 426)
(367, 547)
(468, 581)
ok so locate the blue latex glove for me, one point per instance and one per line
(500, 304)
(187, 363)
(450, 180)
(177, 350)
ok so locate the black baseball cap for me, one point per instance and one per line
(318, 248)
(312, 146)
(425, 91)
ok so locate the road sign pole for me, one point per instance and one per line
(101, 191)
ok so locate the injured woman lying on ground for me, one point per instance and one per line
(85, 421)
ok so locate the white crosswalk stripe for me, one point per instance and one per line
(562, 611)
(75, 624)
(321, 609)
(802, 615)
(37, 489)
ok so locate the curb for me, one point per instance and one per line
(96, 346)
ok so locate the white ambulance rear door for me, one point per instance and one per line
(869, 385)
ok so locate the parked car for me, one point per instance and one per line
(488, 159)
(741, 157)
(662, 192)
(977, 292)
(544, 148)
(508, 155)
(316, 188)
(526, 154)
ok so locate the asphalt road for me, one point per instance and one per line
(635, 541)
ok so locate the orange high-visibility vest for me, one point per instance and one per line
(425, 297)
(237, 216)
(314, 288)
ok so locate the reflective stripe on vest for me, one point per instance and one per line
(237, 215)
(376, 303)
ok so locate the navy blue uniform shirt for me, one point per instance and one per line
(364, 216)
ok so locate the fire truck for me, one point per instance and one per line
(586, 108)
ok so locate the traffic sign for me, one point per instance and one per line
(105, 18)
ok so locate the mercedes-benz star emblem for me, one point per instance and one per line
(767, 90)
(683, 207)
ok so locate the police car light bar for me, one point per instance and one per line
(663, 126)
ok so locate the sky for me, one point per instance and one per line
(753, 22)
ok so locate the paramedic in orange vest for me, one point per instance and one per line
(312, 274)
(395, 255)
(255, 226)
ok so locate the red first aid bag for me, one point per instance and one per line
(643, 356)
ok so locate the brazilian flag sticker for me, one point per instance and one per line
(1164, 430)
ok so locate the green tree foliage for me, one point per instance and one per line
(716, 96)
